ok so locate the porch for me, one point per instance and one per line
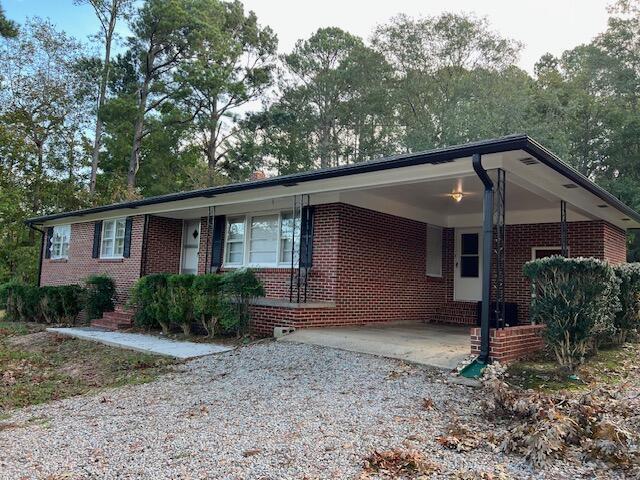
(442, 346)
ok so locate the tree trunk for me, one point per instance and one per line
(97, 142)
(212, 144)
(134, 159)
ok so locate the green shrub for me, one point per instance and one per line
(61, 304)
(576, 298)
(101, 295)
(23, 303)
(51, 304)
(5, 290)
(149, 298)
(206, 298)
(239, 288)
(179, 301)
(627, 320)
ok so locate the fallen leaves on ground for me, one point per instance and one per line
(399, 463)
(459, 438)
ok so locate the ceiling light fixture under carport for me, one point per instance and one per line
(457, 196)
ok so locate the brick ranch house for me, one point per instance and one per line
(422, 237)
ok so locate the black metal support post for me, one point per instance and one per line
(293, 250)
(500, 274)
(487, 250)
(564, 233)
(307, 244)
(210, 213)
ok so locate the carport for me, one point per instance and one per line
(442, 346)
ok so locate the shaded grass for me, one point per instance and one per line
(37, 367)
(609, 366)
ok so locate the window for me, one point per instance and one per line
(60, 241)
(543, 252)
(261, 240)
(112, 245)
(434, 251)
(263, 246)
(235, 241)
(469, 255)
(287, 227)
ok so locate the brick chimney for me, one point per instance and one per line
(257, 175)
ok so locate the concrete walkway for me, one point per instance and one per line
(442, 346)
(143, 343)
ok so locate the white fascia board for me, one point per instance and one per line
(394, 176)
(547, 183)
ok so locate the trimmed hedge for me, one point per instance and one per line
(53, 305)
(217, 302)
(627, 320)
(150, 300)
(101, 295)
(577, 299)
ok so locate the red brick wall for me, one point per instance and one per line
(509, 344)
(80, 265)
(586, 239)
(371, 264)
(164, 244)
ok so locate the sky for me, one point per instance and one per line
(541, 25)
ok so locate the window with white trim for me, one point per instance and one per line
(60, 241)
(113, 233)
(434, 251)
(261, 240)
(234, 241)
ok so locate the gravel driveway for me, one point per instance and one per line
(267, 411)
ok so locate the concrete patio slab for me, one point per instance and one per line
(442, 346)
(143, 343)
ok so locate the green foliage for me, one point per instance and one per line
(180, 303)
(212, 299)
(627, 320)
(239, 288)
(577, 299)
(61, 304)
(149, 297)
(101, 295)
(206, 298)
(54, 305)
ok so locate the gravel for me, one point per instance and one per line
(266, 411)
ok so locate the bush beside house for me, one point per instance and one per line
(583, 302)
(57, 304)
(216, 301)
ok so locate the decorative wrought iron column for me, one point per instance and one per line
(297, 206)
(564, 234)
(499, 251)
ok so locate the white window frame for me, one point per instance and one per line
(227, 241)
(115, 230)
(248, 218)
(60, 240)
(436, 273)
(542, 249)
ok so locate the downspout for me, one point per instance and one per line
(143, 247)
(487, 247)
(41, 250)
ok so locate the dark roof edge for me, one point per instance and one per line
(551, 160)
(442, 155)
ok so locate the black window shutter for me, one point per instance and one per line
(47, 250)
(126, 251)
(306, 237)
(219, 225)
(97, 237)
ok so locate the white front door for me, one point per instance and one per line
(190, 246)
(468, 264)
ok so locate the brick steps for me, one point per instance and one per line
(456, 313)
(116, 320)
